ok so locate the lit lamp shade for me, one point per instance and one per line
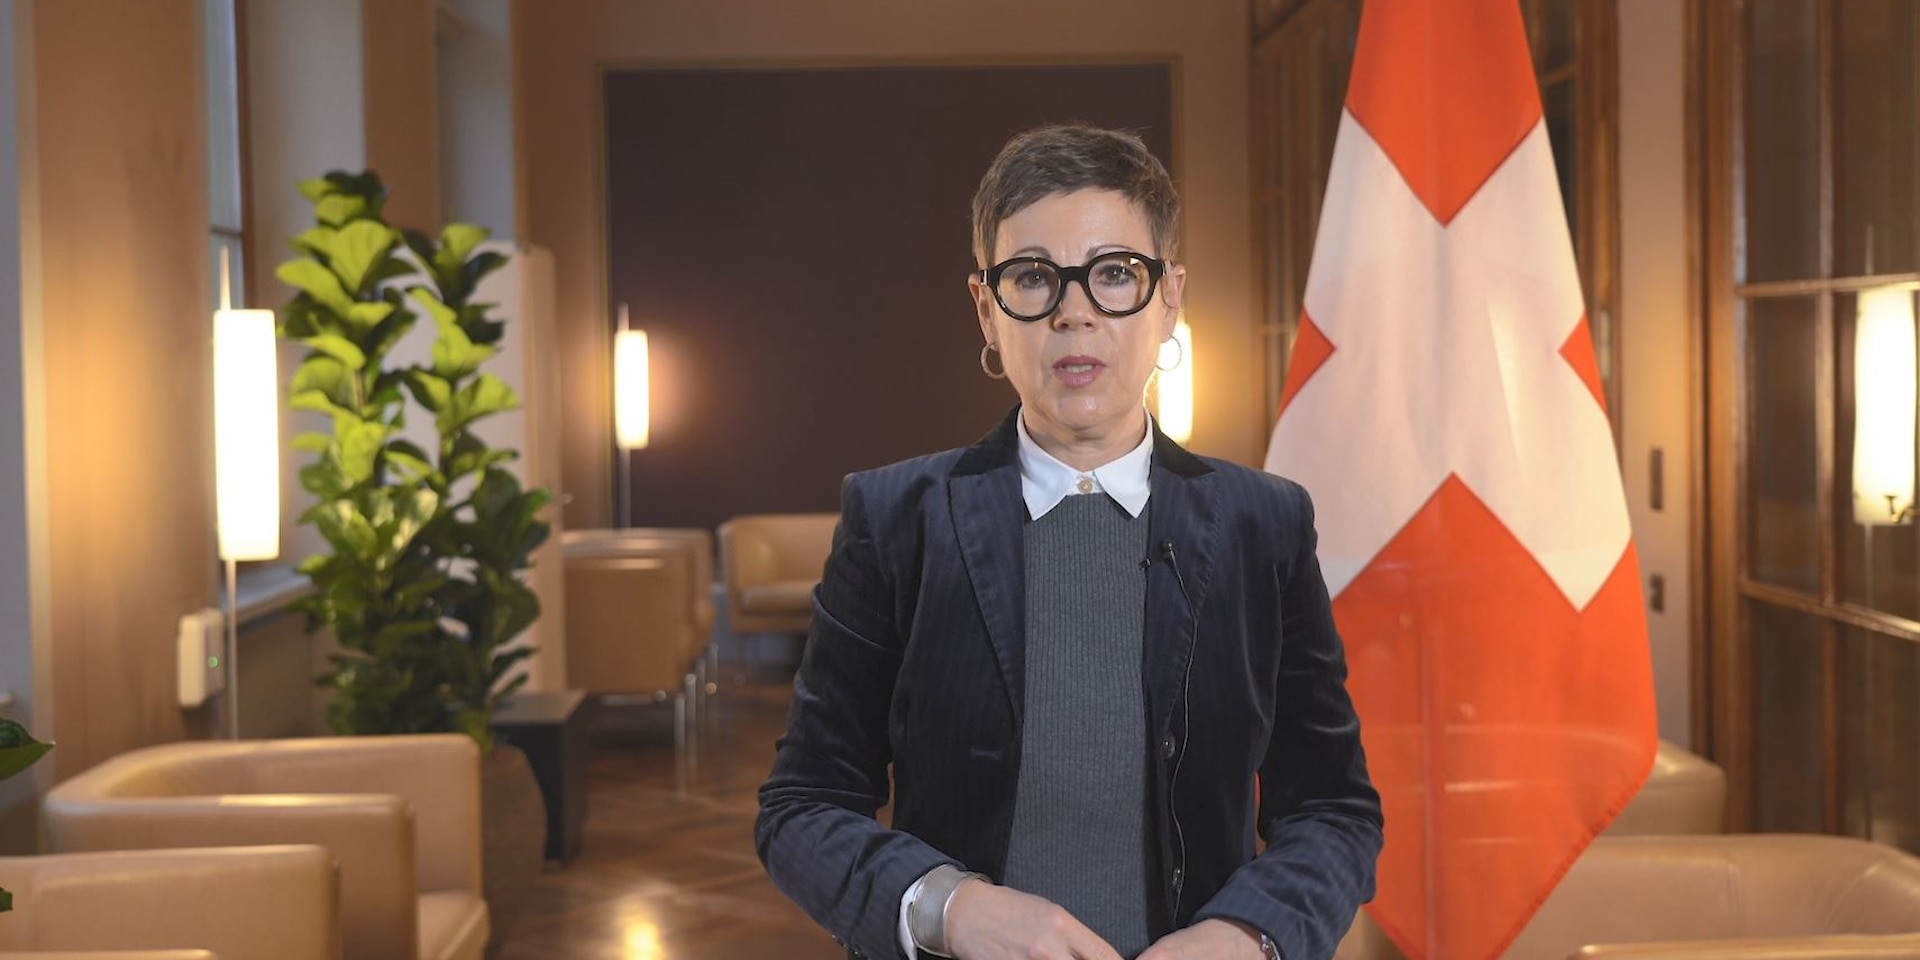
(1173, 404)
(631, 412)
(1883, 406)
(246, 434)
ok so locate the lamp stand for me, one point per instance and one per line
(232, 652)
(624, 501)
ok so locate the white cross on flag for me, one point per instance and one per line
(1444, 409)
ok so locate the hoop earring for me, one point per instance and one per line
(1176, 364)
(992, 348)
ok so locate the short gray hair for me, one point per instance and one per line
(1062, 158)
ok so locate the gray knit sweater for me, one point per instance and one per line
(1079, 825)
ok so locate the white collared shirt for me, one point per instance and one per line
(1045, 481)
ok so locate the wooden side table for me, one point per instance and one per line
(551, 729)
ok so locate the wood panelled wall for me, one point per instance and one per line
(796, 243)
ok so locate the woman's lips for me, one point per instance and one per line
(1077, 371)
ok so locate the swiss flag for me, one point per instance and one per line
(1444, 409)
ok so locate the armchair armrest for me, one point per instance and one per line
(266, 902)
(1828, 947)
(439, 775)
(371, 838)
(111, 955)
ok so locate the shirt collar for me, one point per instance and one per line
(1045, 481)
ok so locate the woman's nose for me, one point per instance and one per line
(1075, 310)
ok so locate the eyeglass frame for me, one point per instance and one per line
(1156, 269)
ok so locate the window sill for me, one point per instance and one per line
(268, 590)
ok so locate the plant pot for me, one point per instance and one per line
(513, 823)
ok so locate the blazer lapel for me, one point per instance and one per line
(1183, 515)
(984, 498)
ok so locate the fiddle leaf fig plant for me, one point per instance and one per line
(18, 751)
(422, 582)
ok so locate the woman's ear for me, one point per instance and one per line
(982, 308)
(1173, 293)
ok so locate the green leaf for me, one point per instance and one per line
(484, 397)
(327, 376)
(302, 318)
(318, 402)
(318, 282)
(312, 442)
(341, 349)
(477, 268)
(18, 749)
(433, 393)
(455, 357)
(342, 524)
(337, 210)
(317, 242)
(315, 189)
(358, 249)
(383, 337)
(410, 458)
(326, 480)
(6, 901)
(411, 514)
(366, 316)
(457, 242)
(360, 450)
(391, 268)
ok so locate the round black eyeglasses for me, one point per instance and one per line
(1118, 284)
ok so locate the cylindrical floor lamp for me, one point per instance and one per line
(632, 413)
(246, 438)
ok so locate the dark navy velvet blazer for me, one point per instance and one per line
(915, 660)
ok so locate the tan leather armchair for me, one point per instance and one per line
(112, 955)
(772, 562)
(1773, 895)
(696, 541)
(1747, 897)
(253, 903)
(401, 815)
(632, 621)
(1684, 794)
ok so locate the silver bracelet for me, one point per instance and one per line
(927, 914)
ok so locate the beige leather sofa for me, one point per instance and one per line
(1747, 897)
(253, 903)
(400, 814)
(772, 563)
(634, 619)
(1684, 794)
(1765, 895)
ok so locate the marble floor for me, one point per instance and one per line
(667, 869)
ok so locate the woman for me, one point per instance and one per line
(1084, 651)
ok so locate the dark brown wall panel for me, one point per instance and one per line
(796, 244)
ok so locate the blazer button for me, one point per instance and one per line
(1167, 747)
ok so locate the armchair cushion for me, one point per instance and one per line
(401, 815)
(780, 598)
(452, 925)
(1837, 947)
(253, 903)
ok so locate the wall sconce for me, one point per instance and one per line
(1173, 385)
(632, 411)
(1883, 407)
(246, 445)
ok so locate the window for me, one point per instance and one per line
(1302, 57)
(1808, 174)
(225, 191)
